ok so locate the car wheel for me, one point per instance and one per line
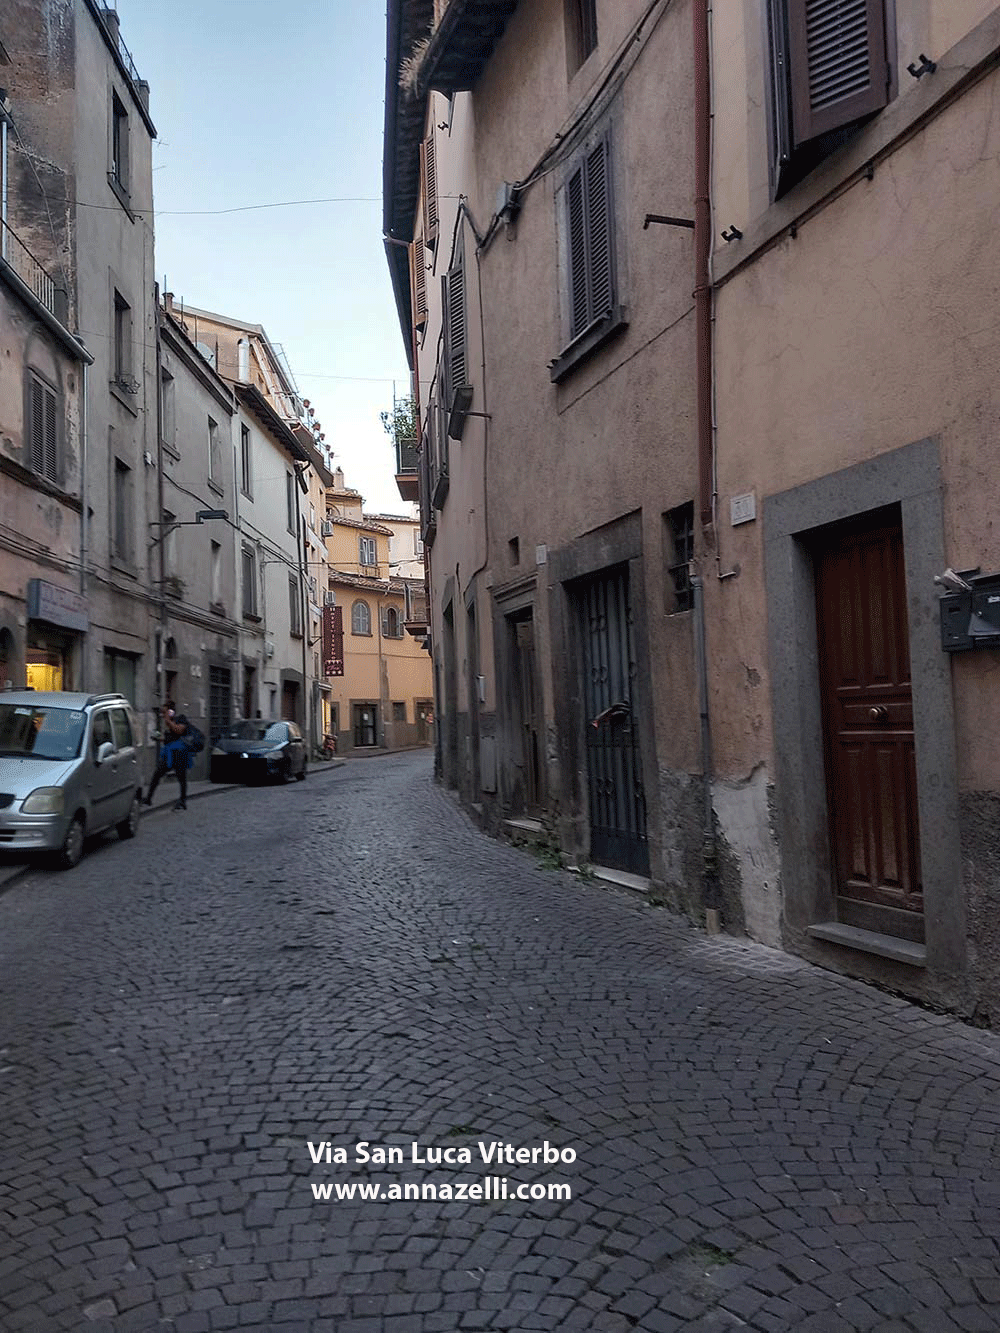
(71, 850)
(301, 777)
(130, 826)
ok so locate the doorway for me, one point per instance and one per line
(528, 752)
(868, 734)
(617, 800)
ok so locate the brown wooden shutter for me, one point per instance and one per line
(42, 429)
(577, 223)
(838, 67)
(428, 173)
(419, 274)
(37, 427)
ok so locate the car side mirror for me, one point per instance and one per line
(104, 751)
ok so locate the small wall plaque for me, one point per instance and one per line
(742, 509)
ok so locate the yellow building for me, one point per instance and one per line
(384, 699)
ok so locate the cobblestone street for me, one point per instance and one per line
(758, 1144)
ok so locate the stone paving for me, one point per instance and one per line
(759, 1145)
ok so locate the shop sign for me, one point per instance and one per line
(57, 606)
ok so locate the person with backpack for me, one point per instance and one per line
(176, 752)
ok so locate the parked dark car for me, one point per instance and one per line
(258, 751)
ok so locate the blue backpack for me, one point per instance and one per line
(194, 739)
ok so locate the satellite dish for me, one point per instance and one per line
(207, 353)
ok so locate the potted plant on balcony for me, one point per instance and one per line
(401, 425)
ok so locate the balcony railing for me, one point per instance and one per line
(31, 272)
(406, 456)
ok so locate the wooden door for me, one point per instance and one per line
(614, 762)
(528, 713)
(868, 729)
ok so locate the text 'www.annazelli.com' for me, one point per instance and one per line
(489, 1189)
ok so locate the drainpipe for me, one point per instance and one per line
(84, 523)
(703, 404)
(303, 598)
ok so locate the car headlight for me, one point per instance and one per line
(44, 801)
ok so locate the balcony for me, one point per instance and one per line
(416, 619)
(32, 274)
(407, 467)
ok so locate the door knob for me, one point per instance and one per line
(879, 713)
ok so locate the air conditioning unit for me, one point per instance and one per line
(330, 598)
(326, 527)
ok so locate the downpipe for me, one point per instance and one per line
(709, 849)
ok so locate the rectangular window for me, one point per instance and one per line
(216, 572)
(399, 712)
(290, 500)
(168, 411)
(249, 571)
(829, 71)
(246, 473)
(41, 434)
(367, 550)
(581, 31)
(119, 144)
(214, 454)
(294, 606)
(122, 344)
(122, 513)
(679, 544)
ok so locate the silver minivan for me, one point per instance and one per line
(69, 767)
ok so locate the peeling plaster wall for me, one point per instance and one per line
(750, 862)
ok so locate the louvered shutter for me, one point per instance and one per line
(577, 223)
(419, 283)
(838, 66)
(42, 429)
(455, 328)
(428, 172)
(589, 230)
(599, 231)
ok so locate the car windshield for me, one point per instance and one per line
(41, 733)
(256, 729)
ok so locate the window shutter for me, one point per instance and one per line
(591, 262)
(37, 427)
(49, 451)
(428, 172)
(455, 330)
(419, 283)
(839, 71)
(579, 304)
(599, 231)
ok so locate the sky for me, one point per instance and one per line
(257, 102)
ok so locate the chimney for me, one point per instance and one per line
(142, 90)
(113, 24)
(168, 302)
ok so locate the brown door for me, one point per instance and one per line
(868, 729)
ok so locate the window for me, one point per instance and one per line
(418, 542)
(294, 607)
(119, 144)
(121, 544)
(214, 452)
(122, 729)
(590, 297)
(122, 344)
(361, 618)
(392, 626)
(41, 435)
(399, 712)
(679, 545)
(216, 572)
(168, 411)
(290, 500)
(581, 31)
(249, 566)
(367, 550)
(829, 71)
(246, 474)
(119, 674)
